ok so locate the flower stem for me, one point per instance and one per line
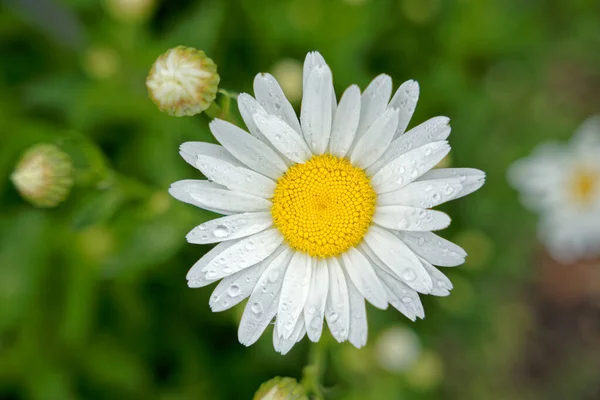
(222, 110)
(313, 372)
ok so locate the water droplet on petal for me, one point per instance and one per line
(234, 290)
(409, 275)
(221, 231)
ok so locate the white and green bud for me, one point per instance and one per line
(183, 81)
(280, 388)
(44, 175)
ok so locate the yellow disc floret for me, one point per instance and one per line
(324, 206)
(584, 186)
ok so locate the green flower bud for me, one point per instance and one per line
(44, 175)
(280, 388)
(183, 81)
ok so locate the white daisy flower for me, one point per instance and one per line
(326, 211)
(562, 183)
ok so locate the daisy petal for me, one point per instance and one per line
(264, 300)
(374, 101)
(362, 275)
(283, 345)
(359, 330)
(403, 218)
(314, 310)
(434, 130)
(345, 122)
(398, 258)
(190, 151)
(376, 140)
(422, 194)
(312, 60)
(206, 195)
(441, 283)
(248, 106)
(294, 291)
(196, 278)
(316, 112)
(285, 139)
(231, 227)
(402, 297)
(235, 177)
(408, 167)
(434, 249)
(270, 95)
(183, 190)
(337, 307)
(248, 149)
(470, 179)
(235, 288)
(405, 99)
(243, 254)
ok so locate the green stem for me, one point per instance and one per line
(313, 372)
(222, 110)
(213, 111)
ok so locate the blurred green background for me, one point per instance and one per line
(93, 297)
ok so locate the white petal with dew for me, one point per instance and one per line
(374, 101)
(294, 292)
(406, 168)
(405, 99)
(371, 146)
(190, 151)
(270, 96)
(469, 179)
(243, 254)
(337, 308)
(196, 278)
(434, 249)
(403, 218)
(316, 112)
(345, 122)
(359, 329)
(285, 139)
(235, 178)
(248, 149)
(441, 283)
(314, 310)
(399, 259)
(212, 197)
(248, 106)
(362, 275)
(231, 227)
(264, 300)
(421, 194)
(434, 130)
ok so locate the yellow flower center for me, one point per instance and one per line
(324, 206)
(584, 185)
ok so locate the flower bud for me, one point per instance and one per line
(280, 388)
(44, 175)
(183, 81)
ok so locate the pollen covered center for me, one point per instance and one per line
(585, 185)
(324, 206)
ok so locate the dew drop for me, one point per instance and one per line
(221, 231)
(409, 275)
(333, 317)
(406, 300)
(250, 245)
(234, 290)
(257, 308)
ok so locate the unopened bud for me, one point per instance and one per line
(281, 389)
(44, 175)
(183, 81)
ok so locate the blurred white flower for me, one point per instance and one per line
(324, 212)
(397, 349)
(44, 175)
(183, 81)
(562, 183)
(288, 73)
